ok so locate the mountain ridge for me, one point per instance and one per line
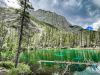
(42, 33)
(52, 18)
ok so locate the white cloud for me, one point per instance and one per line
(2, 3)
(55, 2)
(41, 4)
(96, 25)
(52, 4)
(96, 2)
(12, 3)
(73, 3)
(79, 12)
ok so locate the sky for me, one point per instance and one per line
(9, 3)
(78, 12)
(12, 3)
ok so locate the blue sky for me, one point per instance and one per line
(77, 12)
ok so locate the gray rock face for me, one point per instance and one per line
(56, 20)
(52, 18)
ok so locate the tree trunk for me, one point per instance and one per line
(20, 36)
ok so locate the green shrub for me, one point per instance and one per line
(22, 69)
(7, 55)
(7, 64)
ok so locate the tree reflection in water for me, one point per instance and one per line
(90, 71)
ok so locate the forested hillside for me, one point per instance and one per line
(39, 34)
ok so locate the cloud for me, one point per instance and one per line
(42, 4)
(55, 4)
(9, 3)
(73, 3)
(96, 25)
(12, 3)
(93, 11)
(2, 3)
(96, 2)
(77, 12)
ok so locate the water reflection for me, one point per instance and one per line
(90, 71)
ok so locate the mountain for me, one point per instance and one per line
(54, 19)
(49, 17)
(40, 33)
(43, 30)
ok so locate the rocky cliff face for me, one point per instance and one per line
(56, 20)
(52, 18)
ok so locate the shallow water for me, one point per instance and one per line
(89, 71)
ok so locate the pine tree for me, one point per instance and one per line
(24, 15)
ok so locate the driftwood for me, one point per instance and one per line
(64, 62)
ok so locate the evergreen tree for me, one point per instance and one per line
(24, 15)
